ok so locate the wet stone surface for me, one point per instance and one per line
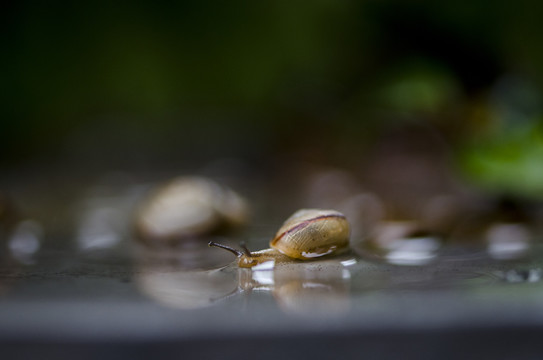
(124, 294)
(102, 293)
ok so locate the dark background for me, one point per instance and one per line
(96, 86)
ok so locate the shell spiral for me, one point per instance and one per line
(311, 233)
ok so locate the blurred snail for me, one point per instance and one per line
(189, 207)
(307, 234)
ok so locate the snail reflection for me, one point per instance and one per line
(314, 288)
(299, 286)
(188, 276)
(186, 289)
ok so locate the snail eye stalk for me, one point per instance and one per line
(227, 248)
(245, 249)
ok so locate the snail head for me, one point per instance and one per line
(245, 257)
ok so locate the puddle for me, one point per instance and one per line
(329, 287)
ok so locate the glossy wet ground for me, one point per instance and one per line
(132, 302)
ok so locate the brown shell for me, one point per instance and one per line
(189, 207)
(311, 233)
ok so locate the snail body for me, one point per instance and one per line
(307, 234)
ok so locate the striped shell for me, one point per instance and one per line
(311, 233)
(189, 207)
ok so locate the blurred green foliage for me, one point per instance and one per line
(503, 152)
(509, 163)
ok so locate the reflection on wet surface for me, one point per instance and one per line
(328, 287)
(508, 240)
(297, 286)
(25, 240)
(441, 267)
(187, 289)
(192, 291)
(529, 275)
(401, 243)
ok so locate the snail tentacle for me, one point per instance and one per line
(225, 247)
(245, 249)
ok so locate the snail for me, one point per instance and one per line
(189, 207)
(307, 234)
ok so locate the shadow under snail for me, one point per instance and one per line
(307, 234)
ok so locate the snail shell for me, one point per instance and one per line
(307, 234)
(312, 233)
(189, 207)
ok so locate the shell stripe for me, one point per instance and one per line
(304, 224)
